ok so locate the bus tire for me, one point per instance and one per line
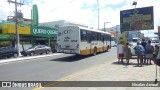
(95, 51)
(107, 48)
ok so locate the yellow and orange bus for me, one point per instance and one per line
(82, 41)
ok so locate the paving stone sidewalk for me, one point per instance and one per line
(114, 71)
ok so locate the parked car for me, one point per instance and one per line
(54, 50)
(38, 49)
(8, 52)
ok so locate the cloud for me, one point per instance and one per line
(82, 11)
(5, 9)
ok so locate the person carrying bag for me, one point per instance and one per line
(156, 60)
(139, 50)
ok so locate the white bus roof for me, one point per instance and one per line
(135, 38)
(87, 29)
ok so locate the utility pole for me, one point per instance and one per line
(16, 25)
(116, 35)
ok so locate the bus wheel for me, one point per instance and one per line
(95, 52)
(107, 48)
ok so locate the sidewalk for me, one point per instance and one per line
(121, 72)
(113, 71)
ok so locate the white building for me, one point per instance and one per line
(61, 23)
(115, 29)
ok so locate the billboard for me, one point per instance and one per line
(137, 19)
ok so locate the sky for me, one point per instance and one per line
(81, 11)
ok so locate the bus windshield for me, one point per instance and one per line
(134, 40)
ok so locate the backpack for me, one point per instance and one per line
(149, 49)
(139, 50)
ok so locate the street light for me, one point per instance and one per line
(105, 25)
(134, 3)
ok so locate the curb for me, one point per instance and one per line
(27, 58)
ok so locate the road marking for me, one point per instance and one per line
(77, 74)
(26, 58)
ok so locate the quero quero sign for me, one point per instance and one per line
(43, 31)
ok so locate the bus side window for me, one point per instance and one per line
(94, 36)
(98, 36)
(107, 37)
(102, 37)
(83, 35)
(89, 37)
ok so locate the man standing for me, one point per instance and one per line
(149, 51)
(143, 43)
(139, 52)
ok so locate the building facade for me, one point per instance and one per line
(61, 23)
(29, 35)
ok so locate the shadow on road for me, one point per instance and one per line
(72, 58)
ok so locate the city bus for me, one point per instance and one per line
(113, 41)
(82, 41)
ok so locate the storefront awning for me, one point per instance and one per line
(6, 37)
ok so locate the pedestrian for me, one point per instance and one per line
(156, 49)
(149, 52)
(139, 50)
(127, 52)
(120, 51)
(157, 59)
(143, 43)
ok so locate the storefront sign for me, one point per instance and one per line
(9, 28)
(43, 31)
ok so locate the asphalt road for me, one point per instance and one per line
(52, 68)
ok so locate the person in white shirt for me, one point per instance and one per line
(120, 51)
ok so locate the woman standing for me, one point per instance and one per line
(127, 52)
